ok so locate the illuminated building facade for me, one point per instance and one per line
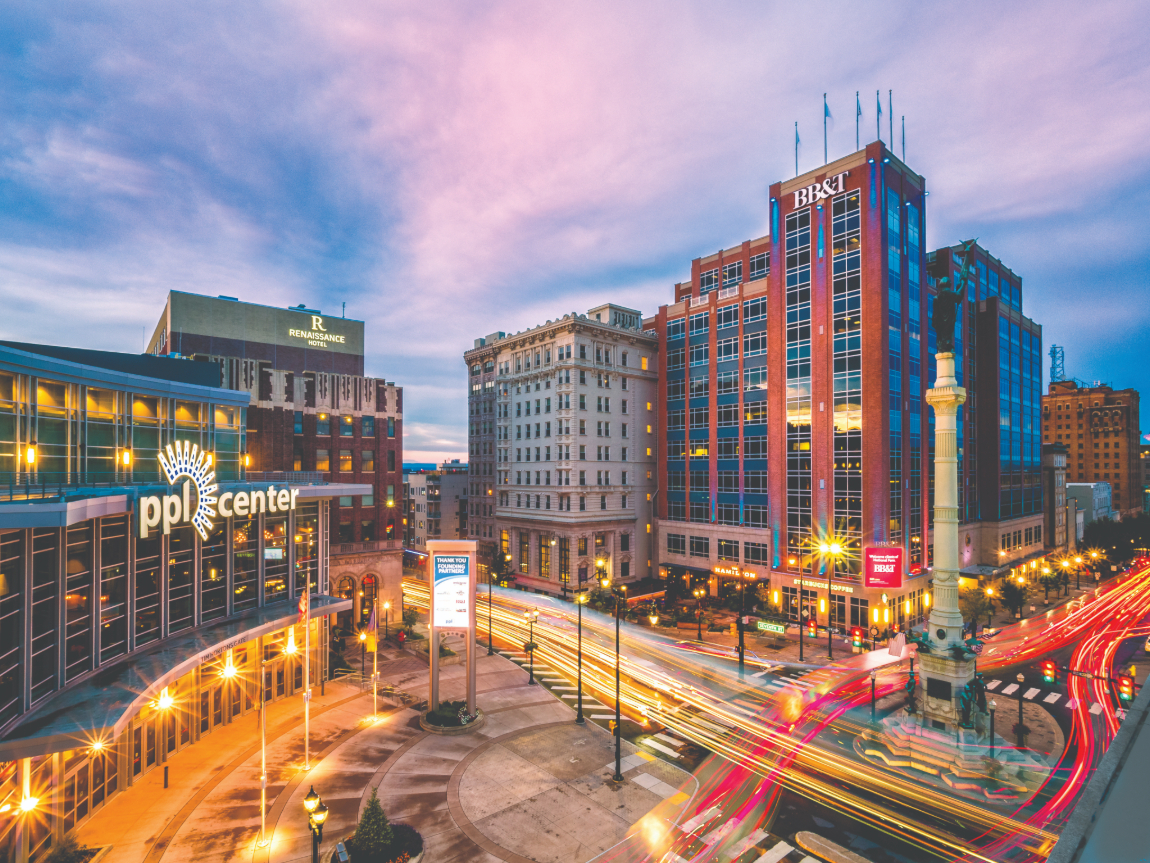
(562, 449)
(137, 597)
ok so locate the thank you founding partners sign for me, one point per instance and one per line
(186, 460)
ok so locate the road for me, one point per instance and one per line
(781, 740)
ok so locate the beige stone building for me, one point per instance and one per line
(562, 449)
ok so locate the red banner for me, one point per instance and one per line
(882, 567)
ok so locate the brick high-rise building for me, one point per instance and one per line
(312, 411)
(562, 449)
(793, 374)
(1099, 426)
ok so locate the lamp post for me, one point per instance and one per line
(993, 707)
(873, 678)
(362, 651)
(386, 609)
(699, 592)
(1078, 573)
(620, 592)
(316, 816)
(742, 613)
(264, 663)
(832, 550)
(1021, 680)
(580, 601)
(531, 615)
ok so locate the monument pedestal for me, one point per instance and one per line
(944, 677)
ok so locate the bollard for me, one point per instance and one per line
(165, 775)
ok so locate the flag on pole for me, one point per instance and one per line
(828, 117)
(878, 115)
(303, 607)
(858, 117)
(796, 148)
(372, 630)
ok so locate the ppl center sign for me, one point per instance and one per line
(187, 461)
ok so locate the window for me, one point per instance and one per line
(727, 415)
(700, 417)
(346, 427)
(323, 460)
(582, 402)
(299, 423)
(754, 379)
(700, 355)
(729, 549)
(367, 427)
(755, 447)
(345, 461)
(756, 552)
(676, 543)
(755, 413)
(700, 546)
(755, 481)
(726, 349)
(675, 358)
(700, 323)
(732, 273)
(727, 382)
(582, 504)
(676, 329)
(624, 542)
(727, 513)
(728, 480)
(345, 501)
(760, 265)
(727, 316)
(754, 345)
(675, 420)
(754, 515)
(391, 426)
(602, 501)
(322, 424)
(755, 310)
(708, 281)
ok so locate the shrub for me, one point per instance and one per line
(69, 850)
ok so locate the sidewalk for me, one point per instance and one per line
(528, 782)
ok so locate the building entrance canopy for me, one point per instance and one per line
(101, 706)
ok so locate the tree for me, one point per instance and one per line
(500, 570)
(373, 835)
(974, 603)
(1014, 595)
(1049, 580)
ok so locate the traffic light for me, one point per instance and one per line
(1126, 688)
(857, 636)
(812, 628)
(1049, 671)
(611, 726)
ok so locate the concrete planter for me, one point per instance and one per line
(452, 730)
(329, 856)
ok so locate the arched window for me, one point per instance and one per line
(368, 589)
(346, 588)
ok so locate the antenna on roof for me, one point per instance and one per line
(1057, 363)
(343, 314)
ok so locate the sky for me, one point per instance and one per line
(453, 169)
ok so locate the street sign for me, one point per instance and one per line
(770, 626)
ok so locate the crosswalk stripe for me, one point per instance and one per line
(1010, 689)
(1072, 703)
(774, 855)
(1030, 693)
(1052, 697)
(762, 673)
(1095, 708)
(602, 715)
(994, 684)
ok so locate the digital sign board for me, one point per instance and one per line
(451, 589)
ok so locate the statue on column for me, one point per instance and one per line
(948, 300)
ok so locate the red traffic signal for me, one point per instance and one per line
(857, 636)
(1049, 671)
(1126, 688)
(812, 628)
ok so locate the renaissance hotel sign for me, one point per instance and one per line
(317, 336)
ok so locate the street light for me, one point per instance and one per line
(832, 550)
(316, 815)
(362, 651)
(699, 594)
(619, 592)
(386, 609)
(873, 678)
(580, 601)
(1021, 680)
(531, 616)
(993, 707)
(1078, 573)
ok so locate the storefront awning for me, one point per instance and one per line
(101, 706)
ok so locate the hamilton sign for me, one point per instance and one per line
(816, 192)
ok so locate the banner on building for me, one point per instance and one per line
(882, 567)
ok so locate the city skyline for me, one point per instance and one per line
(395, 160)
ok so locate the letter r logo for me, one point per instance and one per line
(317, 323)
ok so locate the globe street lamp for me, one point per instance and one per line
(831, 550)
(1078, 573)
(316, 816)
(580, 601)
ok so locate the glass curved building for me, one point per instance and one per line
(144, 575)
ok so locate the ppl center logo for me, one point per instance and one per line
(185, 460)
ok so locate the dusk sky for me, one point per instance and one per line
(451, 169)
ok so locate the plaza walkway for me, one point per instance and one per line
(528, 785)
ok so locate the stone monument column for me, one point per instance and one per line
(945, 397)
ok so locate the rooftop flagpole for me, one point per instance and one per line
(796, 148)
(825, 115)
(878, 114)
(904, 138)
(890, 115)
(858, 115)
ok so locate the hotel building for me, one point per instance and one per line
(313, 413)
(135, 610)
(562, 449)
(793, 374)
